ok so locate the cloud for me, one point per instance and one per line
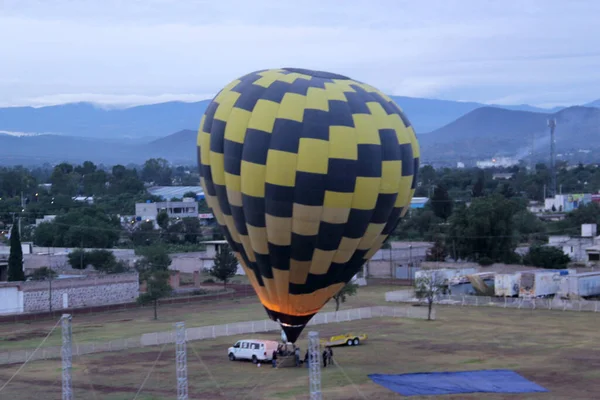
(138, 50)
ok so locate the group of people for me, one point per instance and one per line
(283, 351)
(327, 356)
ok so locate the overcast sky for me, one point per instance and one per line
(122, 52)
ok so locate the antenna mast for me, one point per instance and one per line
(552, 125)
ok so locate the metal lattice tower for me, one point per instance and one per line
(314, 360)
(67, 356)
(181, 361)
(552, 125)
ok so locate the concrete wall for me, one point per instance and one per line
(75, 292)
(11, 300)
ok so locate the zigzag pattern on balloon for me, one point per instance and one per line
(308, 173)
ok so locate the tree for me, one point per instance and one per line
(529, 226)
(157, 170)
(225, 265)
(441, 203)
(428, 286)
(348, 290)
(157, 287)
(15, 259)
(162, 219)
(144, 234)
(191, 228)
(86, 226)
(78, 259)
(546, 257)
(479, 186)
(438, 252)
(102, 261)
(153, 268)
(485, 229)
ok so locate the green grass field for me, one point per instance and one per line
(555, 349)
(104, 327)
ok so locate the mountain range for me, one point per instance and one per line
(491, 132)
(447, 130)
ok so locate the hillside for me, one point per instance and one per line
(88, 120)
(427, 115)
(179, 147)
(152, 121)
(31, 150)
(482, 132)
(492, 131)
(595, 103)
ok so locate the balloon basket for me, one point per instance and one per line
(286, 361)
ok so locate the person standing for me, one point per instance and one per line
(274, 358)
(325, 354)
(306, 358)
(297, 356)
(330, 354)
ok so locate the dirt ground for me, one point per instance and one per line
(557, 350)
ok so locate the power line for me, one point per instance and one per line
(30, 356)
(150, 371)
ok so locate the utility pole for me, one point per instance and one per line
(181, 361)
(552, 125)
(50, 292)
(533, 153)
(22, 210)
(67, 356)
(314, 360)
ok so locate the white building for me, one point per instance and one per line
(578, 248)
(175, 209)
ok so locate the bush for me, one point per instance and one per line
(546, 257)
(42, 273)
(102, 261)
(485, 261)
(209, 280)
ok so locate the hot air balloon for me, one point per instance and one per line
(307, 173)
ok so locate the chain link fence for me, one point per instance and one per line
(209, 332)
(408, 296)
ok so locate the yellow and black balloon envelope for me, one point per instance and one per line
(307, 172)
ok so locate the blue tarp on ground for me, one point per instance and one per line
(431, 383)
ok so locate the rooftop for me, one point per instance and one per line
(169, 192)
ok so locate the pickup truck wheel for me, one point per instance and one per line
(254, 360)
(349, 342)
(231, 357)
(356, 341)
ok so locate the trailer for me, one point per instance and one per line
(507, 285)
(541, 283)
(580, 285)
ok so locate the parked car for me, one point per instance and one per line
(253, 349)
